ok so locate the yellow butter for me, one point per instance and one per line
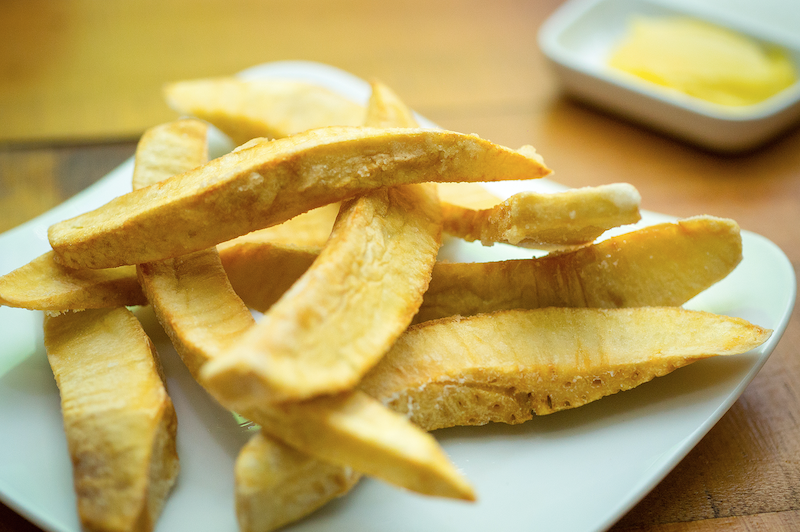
(703, 60)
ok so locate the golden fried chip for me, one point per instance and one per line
(119, 421)
(386, 109)
(351, 304)
(43, 284)
(509, 364)
(169, 149)
(247, 109)
(660, 265)
(355, 430)
(277, 485)
(259, 271)
(547, 221)
(268, 182)
(194, 302)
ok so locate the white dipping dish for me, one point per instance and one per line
(580, 36)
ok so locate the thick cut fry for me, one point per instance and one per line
(660, 265)
(194, 302)
(268, 182)
(43, 284)
(547, 221)
(259, 271)
(277, 485)
(506, 365)
(355, 430)
(119, 421)
(351, 304)
(386, 109)
(169, 149)
(246, 110)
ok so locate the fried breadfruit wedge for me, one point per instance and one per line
(119, 421)
(264, 183)
(506, 365)
(352, 303)
(169, 149)
(660, 265)
(354, 430)
(248, 109)
(547, 221)
(194, 302)
(277, 485)
(44, 284)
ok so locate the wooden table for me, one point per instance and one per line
(80, 80)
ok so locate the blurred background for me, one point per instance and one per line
(80, 80)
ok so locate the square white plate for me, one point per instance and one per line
(578, 470)
(580, 36)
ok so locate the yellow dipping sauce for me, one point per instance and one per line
(703, 60)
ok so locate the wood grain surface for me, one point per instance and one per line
(80, 80)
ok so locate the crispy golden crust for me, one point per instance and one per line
(246, 110)
(268, 182)
(547, 221)
(197, 307)
(353, 429)
(507, 365)
(277, 485)
(119, 421)
(43, 284)
(386, 109)
(169, 149)
(660, 265)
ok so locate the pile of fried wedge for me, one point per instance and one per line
(327, 220)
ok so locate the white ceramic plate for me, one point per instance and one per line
(577, 470)
(579, 37)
